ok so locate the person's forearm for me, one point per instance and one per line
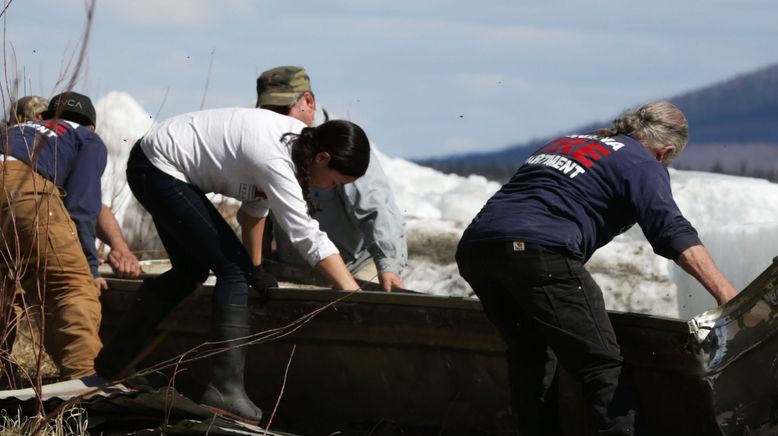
(335, 271)
(123, 261)
(108, 229)
(252, 231)
(697, 262)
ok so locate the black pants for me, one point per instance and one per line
(195, 235)
(550, 311)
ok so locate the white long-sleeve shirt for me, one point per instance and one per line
(239, 153)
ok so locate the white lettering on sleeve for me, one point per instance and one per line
(561, 163)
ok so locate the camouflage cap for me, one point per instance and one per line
(27, 109)
(282, 86)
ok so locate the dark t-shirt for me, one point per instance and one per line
(74, 158)
(578, 192)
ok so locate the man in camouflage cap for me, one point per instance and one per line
(287, 90)
(282, 86)
(361, 218)
(27, 109)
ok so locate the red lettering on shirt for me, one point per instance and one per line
(581, 149)
(58, 128)
(593, 150)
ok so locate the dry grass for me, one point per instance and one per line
(25, 355)
(71, 422)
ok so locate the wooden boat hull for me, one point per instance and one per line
(414, 363)
(377, 363)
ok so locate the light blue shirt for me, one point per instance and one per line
(362, 220)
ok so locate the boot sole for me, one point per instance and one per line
(222, 412)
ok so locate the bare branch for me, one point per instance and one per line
(7, 5)
(281, 393)
(208, 79)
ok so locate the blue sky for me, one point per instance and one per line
(423, 78)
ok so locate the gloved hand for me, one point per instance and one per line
(262, 281)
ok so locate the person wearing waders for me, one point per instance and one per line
(123, 262)
(524, 255)
(50, 198)
(263, 159)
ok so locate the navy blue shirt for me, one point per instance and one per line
(578, 192)
(74, 158)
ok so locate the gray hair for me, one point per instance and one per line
(656, 125)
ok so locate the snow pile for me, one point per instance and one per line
(737, 219)
(120, 122)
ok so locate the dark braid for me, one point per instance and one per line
(303, 153)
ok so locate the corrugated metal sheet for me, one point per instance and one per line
(122, 410)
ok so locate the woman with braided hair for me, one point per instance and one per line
(524, 256)
(266, 161)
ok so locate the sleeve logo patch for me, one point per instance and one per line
(249, 192)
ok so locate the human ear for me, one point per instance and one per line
(664, 153)
(310, 102)
(322, 157)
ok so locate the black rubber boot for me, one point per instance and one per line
(226, 394)
(117, 359)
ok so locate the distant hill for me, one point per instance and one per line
(733, 125)
(740, 110)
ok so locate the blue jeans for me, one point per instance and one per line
(195, 235)
(550, 311)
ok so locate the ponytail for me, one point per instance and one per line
(656, 125)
